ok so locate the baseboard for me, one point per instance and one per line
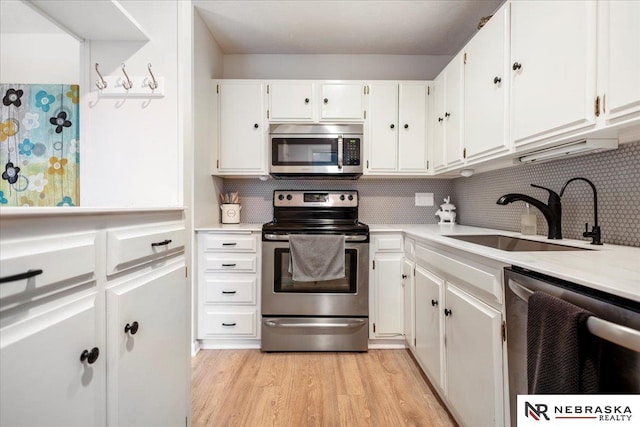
(387, 344)
(229, 344)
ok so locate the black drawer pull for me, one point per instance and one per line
(163, 243)
(131, 328)
(228, 292)
(90, 356)
(229, 265)
(229, 324)
(229, 244)
(26, 275)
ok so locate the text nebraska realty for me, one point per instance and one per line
(601, 413)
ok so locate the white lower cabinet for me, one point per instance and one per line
(228, 288)
(408, 289)
(44, 381)
(429, 332)
(386, 286)
(146, 324)
(459, 333)
(473, 359)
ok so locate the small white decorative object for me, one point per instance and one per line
(446, 212)
(230, 213)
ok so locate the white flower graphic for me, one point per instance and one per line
(37, 182)
(73, 148)
(31, 121)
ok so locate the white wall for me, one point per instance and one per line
(132, 152)
(334, 67)
(207, 65)
(39, 58)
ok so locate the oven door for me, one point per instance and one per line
(283, 296)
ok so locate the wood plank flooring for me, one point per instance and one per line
(250, 388)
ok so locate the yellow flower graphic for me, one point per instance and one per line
(73, 93)
(57, 165)
(7, 129)
(25, 201)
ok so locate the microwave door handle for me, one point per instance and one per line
(340, 159)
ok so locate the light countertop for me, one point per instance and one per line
(224, 228)
(609, 268)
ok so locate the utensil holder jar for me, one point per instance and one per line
(230, 213)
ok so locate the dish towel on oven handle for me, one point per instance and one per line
(562, 355)
(316, 257)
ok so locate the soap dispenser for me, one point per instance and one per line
(528, 222)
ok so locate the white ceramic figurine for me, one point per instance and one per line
(446, 212)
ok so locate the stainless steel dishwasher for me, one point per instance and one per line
(616, 322)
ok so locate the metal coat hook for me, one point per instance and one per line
(127, 84)
(102, 83)
(153, 84)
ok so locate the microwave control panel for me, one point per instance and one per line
(351, 154)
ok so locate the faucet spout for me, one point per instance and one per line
(595, 233)
(552, 210)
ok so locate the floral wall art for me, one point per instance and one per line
(39, 145)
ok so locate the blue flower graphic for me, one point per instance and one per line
(25, 147)
(66, 201)
(44, 100)
(2, 199)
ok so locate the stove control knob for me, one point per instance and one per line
(342, 197)
(289, 197)
(281, 197)
(350, 196)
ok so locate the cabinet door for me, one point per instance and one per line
(408, 288)
(486, 82)
(621, 58)
(412, 135)
(148, 375)
(437, 119)
(553, 86)
(342, 101)
(474, 359)
(291, 101)
(387, 273)
(454, 110)
(44, 382)
(242, 132)
(383, 128)
(429, 334)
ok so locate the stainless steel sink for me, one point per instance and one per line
(514, 244)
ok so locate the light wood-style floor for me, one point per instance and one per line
(249, 388)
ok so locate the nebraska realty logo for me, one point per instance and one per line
(569, 410)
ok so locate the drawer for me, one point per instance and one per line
(66, 260)
(387, 243)
(128, 247)
(476, 276)
(233, 289)
(229, 242)
(237, 322)
(245, 263)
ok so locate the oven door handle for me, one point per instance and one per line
(285, 238)
(608, 331)
(284, 324)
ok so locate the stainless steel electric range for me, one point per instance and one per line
(318, 315)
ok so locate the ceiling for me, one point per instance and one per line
(389, 27)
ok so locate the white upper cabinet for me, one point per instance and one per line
(397, 127)
(241, 132)
(619, 59)
(448, 112)
(553, 76)
(342, 101)
(291, 101)
(486, 89)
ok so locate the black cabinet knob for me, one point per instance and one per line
(497, 80)
(306, 100)
(434, 302)
(256, 126)
(131, 328)
(516, 66)
(392, 126)
(406, 126)
(90, 355)
(447, 115)
(326, 100)
(447, 312)
(440, 119)
(404, 276)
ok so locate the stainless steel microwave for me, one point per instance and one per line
(315, 151)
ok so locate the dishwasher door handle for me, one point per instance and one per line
(621, 335)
